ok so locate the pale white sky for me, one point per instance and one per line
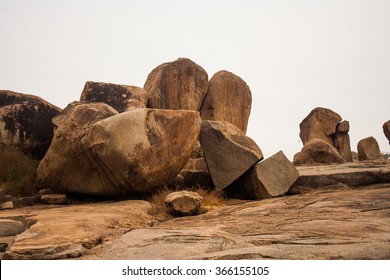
(294, 55)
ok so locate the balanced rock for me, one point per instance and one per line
(25, 122)
(368, 149)
(269, 178)
(228, 151)
(342, 142)
(228, 99)
(386, 130)
(183, 203)
(10, 227)
(317, 151)
(97, 151)
(121, 97)
(321, 123)
(181, 84)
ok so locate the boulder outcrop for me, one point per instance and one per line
(97, 151)
(121, 97)
(25, 122)
(317, 151)
(228, 152)
(368, 149)
(177, 85)
(228, 99)
(183, 203)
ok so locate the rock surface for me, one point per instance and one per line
(228, 152)
(121, 97)
(10, 227)
(177, 85)
(96, 151)
(183, 203)
(321, 123)
(368, 149)
(269, 178)
(317, 151)
(25, 122)
(54, 199)
(386, 130)
(228, 99)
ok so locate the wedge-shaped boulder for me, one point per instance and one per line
(269, 178)
(122, 154)
(228, 151)
(180, 84)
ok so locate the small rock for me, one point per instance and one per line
(56, 199)
(10, 227)
(368, 149)
(44, 191)
(7, 205)
(28, 200)
(183, 203)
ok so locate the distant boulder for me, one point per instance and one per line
(25, 122)
(342, 142)
(368, 149)
(181, 84)
(121, 97)
(228, 99)
(386, 130)
(317, 151)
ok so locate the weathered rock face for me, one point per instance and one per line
(121, 97)
(321, 123)
(269, 178)
(25, 122)
(183, 203)
(10, 227)
(228, 151)
(368, 149)
(228, 99)
(181, 84)
(342, 142)
(317, 151)
(98, 151)
(386, 130)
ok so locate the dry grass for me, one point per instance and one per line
(211, 200)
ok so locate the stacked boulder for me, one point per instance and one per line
(325, 138)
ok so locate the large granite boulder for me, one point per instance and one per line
(269, 178)
(321, 123)
(25, 122)
(181, 84)
(386, 130)
(97, 151)
(317, 151)
(121, 97)
(368, 149)
(228, 99)
(228, 151)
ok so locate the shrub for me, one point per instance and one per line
(17, 172)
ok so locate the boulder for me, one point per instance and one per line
(317, 151)
(386, 130)
(121, 97)
(97, 151)
(321, 123)
(10, 227)
(342, 142)
(2, 194)
(228, 99)
(368, 149)
(183, 203)
(181, 84)
(25, 122)
(54, 199)
(269, 178)
(228, 151)
(7, 205)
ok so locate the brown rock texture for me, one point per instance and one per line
(342, 142)
(269, 178)
(100, 152)
(228, 99)
(10, 227)
(183, 203)
(368, 149)
(25, 122)
(317, 151)
(121, 97)
(321, 123)
(181, 84)
(55, 199)
(228, 151)
(386, 130)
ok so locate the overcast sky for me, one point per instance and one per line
(294, 55)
